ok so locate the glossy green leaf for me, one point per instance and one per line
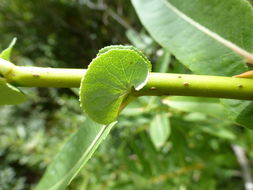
(8, 93)
(201, 35)
(159, 129)
(178, 26)
(111, 77)
(74, 155)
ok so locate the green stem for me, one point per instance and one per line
(158, 84)
(45, 77)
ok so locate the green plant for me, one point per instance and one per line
(105, 92)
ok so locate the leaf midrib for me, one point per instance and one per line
(238, 50)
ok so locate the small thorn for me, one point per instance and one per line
(248, 74)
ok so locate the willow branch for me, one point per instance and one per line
(159, 84)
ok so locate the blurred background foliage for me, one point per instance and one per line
(160, 143)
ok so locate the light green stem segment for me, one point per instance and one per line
(158, 84)
(45, 77)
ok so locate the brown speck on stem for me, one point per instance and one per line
(179, 76)
(153, 88)
(240, 86)
(36, 75)
(186, 84)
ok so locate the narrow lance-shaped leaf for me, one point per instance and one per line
(74, 155)
(201, 35)
(159, 129)
(178, 26)
(208, 106)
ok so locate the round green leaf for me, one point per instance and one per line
(111, 77)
